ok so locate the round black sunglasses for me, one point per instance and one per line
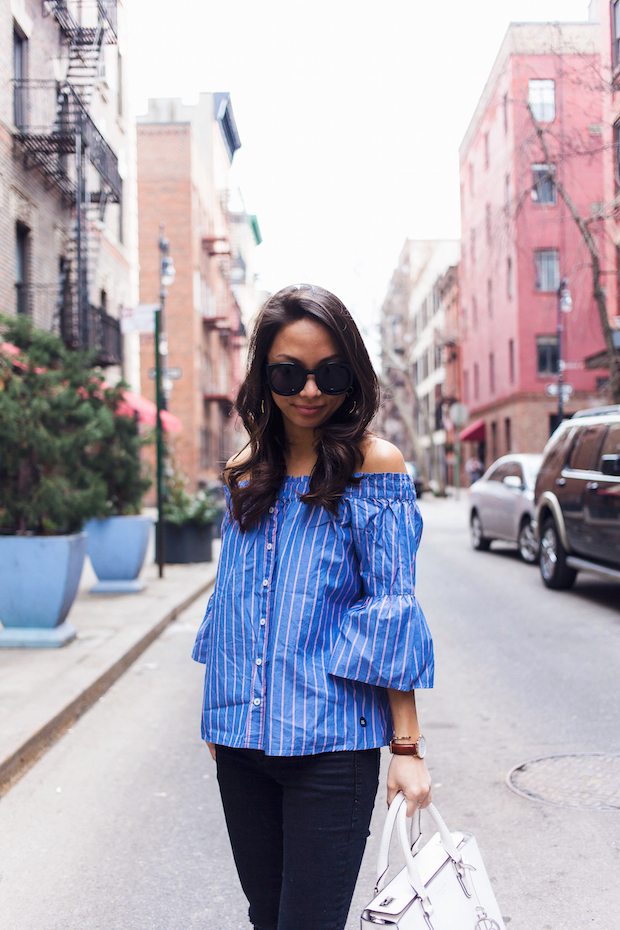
(287, 378)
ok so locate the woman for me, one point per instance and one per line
(313, 640)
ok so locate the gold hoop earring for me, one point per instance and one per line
(350, 391)
(354, 407)
(262, 406)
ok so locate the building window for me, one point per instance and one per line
(474, 313)
(494, 439)
(511, 360)
(492, 372)
(507, 191)
(22, 235)
(119, 77)
(20, 65)
(466, 387)
(617, 154)
(476, 381)
(542, 100)
(506, 113)
(508, 434)
(490, 297)
(486, 150)
(487, 223)
(543, 184)
(472, 246)
(472, 188)
(615, 32)
(509, 281)
(547, 355)
(547, 269)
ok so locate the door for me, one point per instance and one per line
(602, 503)
(510, 502)
(490, 501)
(579, 471)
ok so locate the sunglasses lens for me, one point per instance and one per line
(334, 378)
(286, 379)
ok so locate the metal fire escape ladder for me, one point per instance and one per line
(56, 134)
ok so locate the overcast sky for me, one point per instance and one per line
(350, 114)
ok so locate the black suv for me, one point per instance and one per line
(578, 498)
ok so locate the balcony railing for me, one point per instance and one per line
(49, 120)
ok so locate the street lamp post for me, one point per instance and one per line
(565, 305)
(166, 277)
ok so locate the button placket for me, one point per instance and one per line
(258, 690)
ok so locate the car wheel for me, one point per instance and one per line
(478, 540)
(527, 542)
(552, 558)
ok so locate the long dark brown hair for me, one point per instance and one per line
(339, 440)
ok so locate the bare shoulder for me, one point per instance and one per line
(381, 456)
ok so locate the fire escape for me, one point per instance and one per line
(56, 135)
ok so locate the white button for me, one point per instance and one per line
(265, 583)
(271, 509)
(256, 702)
(262, 621)
(259, 661)
(269, 546)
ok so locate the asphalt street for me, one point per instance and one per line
(119, 826)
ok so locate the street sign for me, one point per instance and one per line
(140, 319)
(173, 373)
(552, 389)
(459, 414)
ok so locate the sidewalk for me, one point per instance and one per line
(43, 691)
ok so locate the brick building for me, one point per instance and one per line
(519, 240)
(418, 320)
(68, 226)
(184, 157)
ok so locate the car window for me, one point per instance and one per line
(584, 453)
(499, 474)
(556, 451)
(513, 468)
(611, 445)
(531, 468)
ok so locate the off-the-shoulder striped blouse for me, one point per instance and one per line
(312, 618)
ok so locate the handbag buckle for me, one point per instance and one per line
(485, 922)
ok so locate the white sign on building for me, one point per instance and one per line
(140, 319)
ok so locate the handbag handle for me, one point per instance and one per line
(397, 811)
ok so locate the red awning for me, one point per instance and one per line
(475, 432)
(147, 412)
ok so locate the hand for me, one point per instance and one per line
(212, 750)
(409, 775)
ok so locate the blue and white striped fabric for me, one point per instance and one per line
(312, 618)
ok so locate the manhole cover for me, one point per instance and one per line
(586, 781)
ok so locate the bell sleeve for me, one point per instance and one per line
(383, 638)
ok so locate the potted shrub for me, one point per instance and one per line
(117, 543)
(188, 521)
(53, 418)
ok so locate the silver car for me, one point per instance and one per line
(501, 504)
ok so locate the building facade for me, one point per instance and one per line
(538, 123)
(184, 158)
(68, 222)
(417, 330)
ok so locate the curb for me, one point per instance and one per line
(14, 766)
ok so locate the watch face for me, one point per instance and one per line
(421, 747)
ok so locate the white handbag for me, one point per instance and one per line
(444, 885)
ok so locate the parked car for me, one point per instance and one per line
(414, 474)
(502, 505)
(578, 499)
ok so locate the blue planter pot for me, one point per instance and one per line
(117, 547)
(39, 578)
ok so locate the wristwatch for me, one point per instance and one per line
(409, 749)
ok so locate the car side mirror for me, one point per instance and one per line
(513, 482)
(610, 465)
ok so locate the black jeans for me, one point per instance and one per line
(298, 827)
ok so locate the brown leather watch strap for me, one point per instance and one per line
(404, 749)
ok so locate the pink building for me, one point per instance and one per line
(519, 240)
